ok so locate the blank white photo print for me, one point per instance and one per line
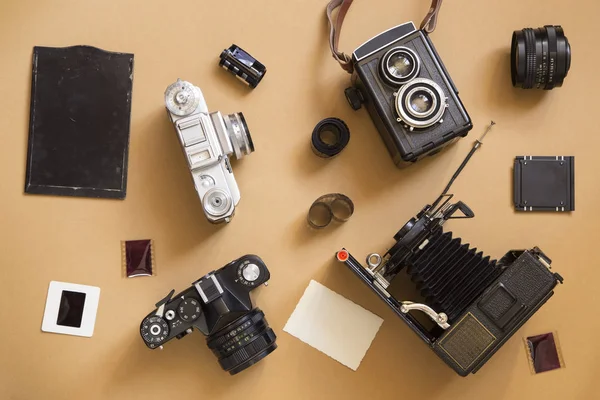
(333, 325)
(71, 309)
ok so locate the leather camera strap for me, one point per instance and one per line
(335, 27)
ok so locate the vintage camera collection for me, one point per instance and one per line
(473, 303)
(469, 304)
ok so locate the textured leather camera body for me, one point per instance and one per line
(370, 88)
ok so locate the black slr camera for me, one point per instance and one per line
(219, 306)
(473, 304)
(409, 94)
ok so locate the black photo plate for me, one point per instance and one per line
(543, 352)
(79, 122)
(544, 183)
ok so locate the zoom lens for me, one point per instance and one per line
(540, 58)
(399, 65)
(239, 134)
(243, 343)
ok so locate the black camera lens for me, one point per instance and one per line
(540, 58)
(243, 343)
(399, 65)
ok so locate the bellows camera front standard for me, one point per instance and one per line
(208, 140)
(219, 306)
(400, 78)
(472, 304)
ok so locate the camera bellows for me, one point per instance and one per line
(451, 275)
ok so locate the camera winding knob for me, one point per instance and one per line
(189, 310)
(182, 98)
(154, 330)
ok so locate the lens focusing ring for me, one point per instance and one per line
(217, 341)
(243, 342)
(530, 58)
(239, 135)
(254, 348)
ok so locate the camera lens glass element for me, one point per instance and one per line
(399, 65)
(239, 134)
(243, 343)
(420, 103)
(540, 58)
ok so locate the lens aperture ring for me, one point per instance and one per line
(216, 340)
(239, 135)
(253, 348)
(530, 58)
(551, 57)
(240, 340)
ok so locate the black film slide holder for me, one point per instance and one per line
(544, 183)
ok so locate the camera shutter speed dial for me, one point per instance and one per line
(154, 330)
(250, 274)
(182, 98)
(189, 310)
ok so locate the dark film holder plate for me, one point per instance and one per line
(79, 122)
(544, 183)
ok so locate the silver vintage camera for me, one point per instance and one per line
(208, 139)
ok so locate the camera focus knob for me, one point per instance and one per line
(354, 98)
(189, 310)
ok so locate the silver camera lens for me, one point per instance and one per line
(239, 134)
(400, 65)
(216, 202)
(421, 103)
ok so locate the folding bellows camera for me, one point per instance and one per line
(476, 303)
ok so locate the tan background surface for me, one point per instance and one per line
(78, 240)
